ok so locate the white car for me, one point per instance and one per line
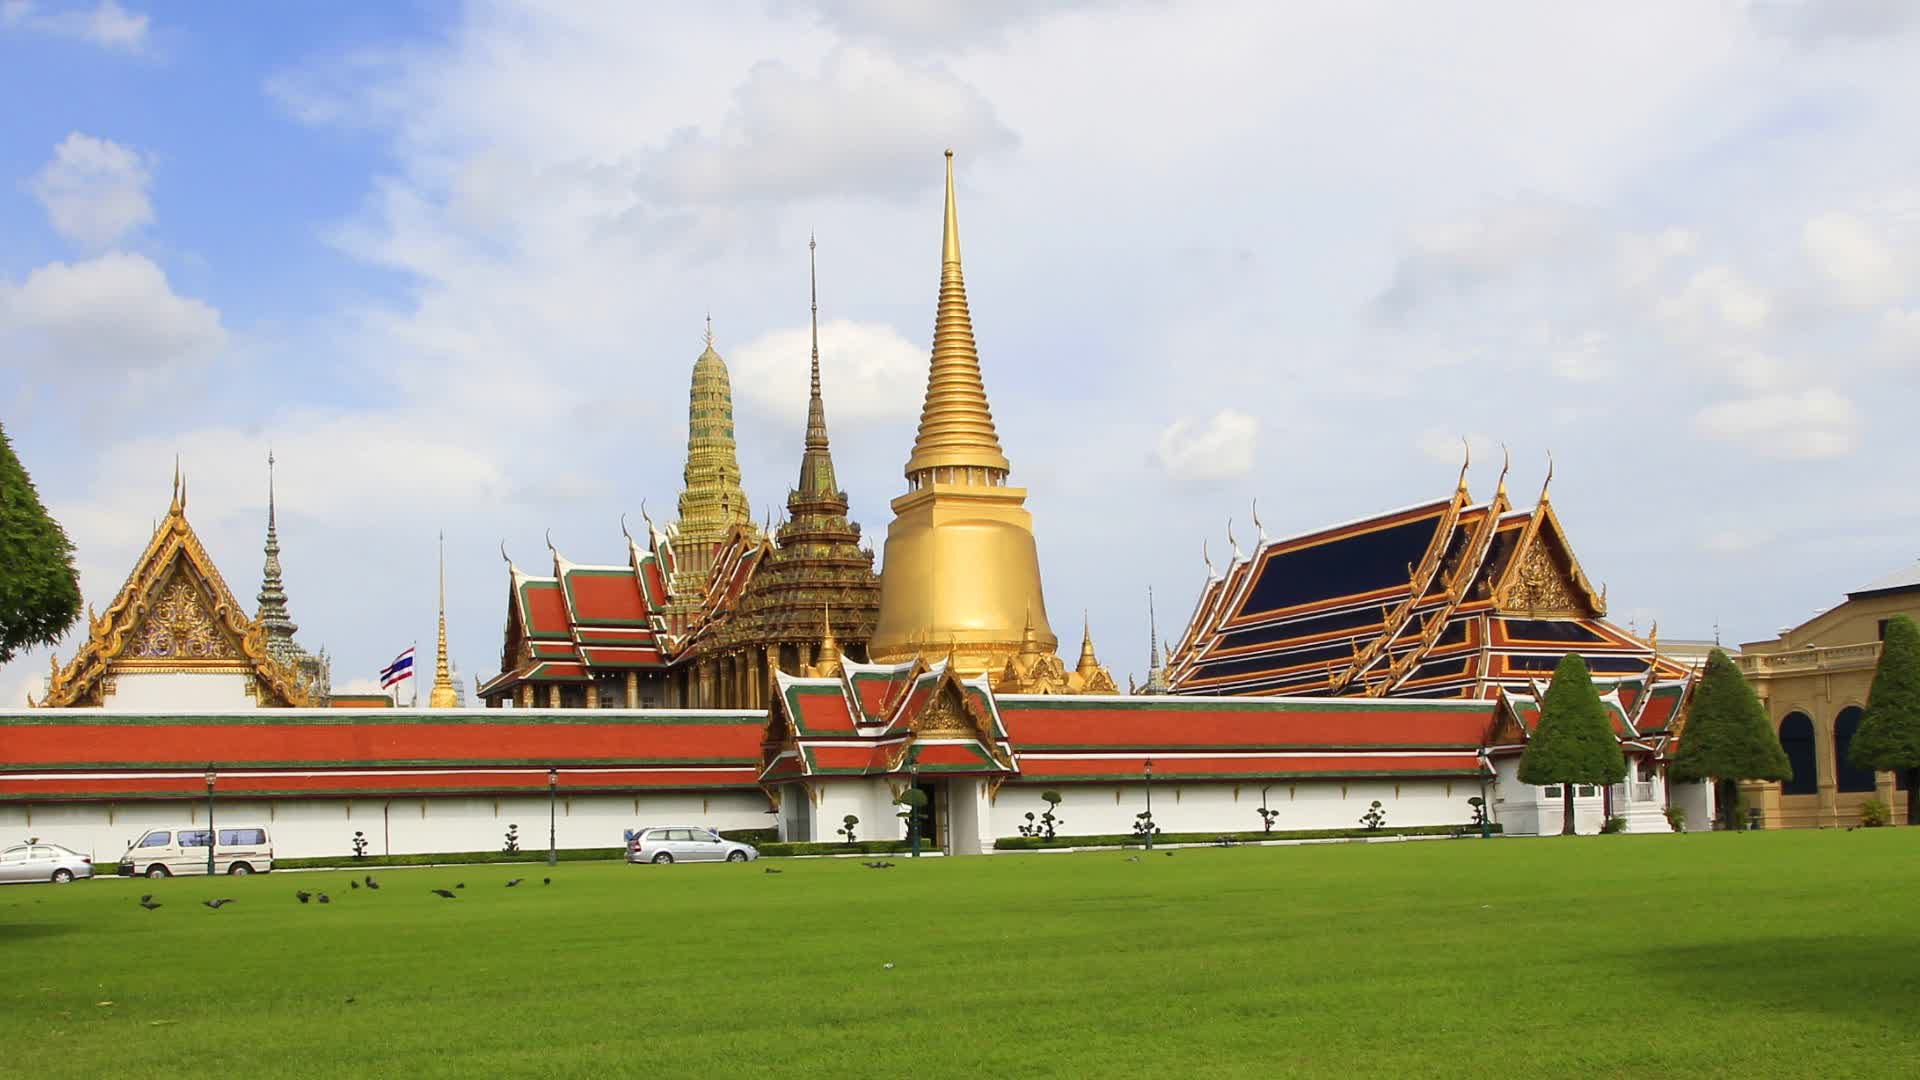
(43, 862)
(160, 853)
(686, 843)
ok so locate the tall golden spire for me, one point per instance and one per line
(960, 559)
(956, 426)
(443, 696)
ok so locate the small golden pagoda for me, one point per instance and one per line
(1037, 670)
(443, 695)
(961, 574)
(713, 502)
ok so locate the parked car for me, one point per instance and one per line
(43, 862)
(686, 843)
(165, 852)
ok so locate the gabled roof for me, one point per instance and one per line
(174, 612)
(1906, 577)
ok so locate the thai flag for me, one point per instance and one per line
(401, 669)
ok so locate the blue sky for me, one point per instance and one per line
(451, 262)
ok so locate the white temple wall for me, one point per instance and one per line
(306, 828)
(1527, 810)
(870, 800)
(1224, 806)
(157, 691)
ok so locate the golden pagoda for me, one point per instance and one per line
(443, 695)
(713, 501)
(961, 574)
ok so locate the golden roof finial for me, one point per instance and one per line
(442, 696)
(709, 334)
(1257, 523)
(1506, 462)
(1653, 636)
(956, 424)
(176, 482)
(1466, 461)
(1088, 662)
(1548, 482)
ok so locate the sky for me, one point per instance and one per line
(451, 263)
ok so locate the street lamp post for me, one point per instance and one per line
(1149, 804)
(913, 818)
(211, 835)
(553, 785)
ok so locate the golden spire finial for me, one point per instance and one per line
(1506, 462)
(956, 433)
(1257, 523)
(1653, 636)
(1548, 482)
(709, 335)
(176, 482)
(443, 696)
(1466, 461)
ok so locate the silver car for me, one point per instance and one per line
(43, 862)
(686, 843)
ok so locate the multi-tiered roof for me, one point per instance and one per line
(1452, 598)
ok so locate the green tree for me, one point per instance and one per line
(1574, 742)
(1889, 734)
(1728, 738)
(39, 590)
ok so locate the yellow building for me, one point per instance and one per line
(1813, 680)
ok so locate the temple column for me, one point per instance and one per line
(593, 694)
(553, 696)
(705, 692)
(805, 650)
(526, 695)
(772, 659)
(633, 689)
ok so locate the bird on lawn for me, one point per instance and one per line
(303, 895)
(372, 884)
(325, 899)
(353, 883)
(148, 904)
(1133, 858)
(460, 885)
(218, 904)
(546, 881)
(444, 894)
(144, 897)
(514, 882)
(771, 870)
(1169, 854)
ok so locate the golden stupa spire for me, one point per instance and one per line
(443, 696)
(956, 426)
(1088, 662)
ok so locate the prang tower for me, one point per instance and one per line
(961, 574)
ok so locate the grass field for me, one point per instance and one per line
(1775, 954)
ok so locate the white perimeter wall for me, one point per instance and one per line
(303, 828)
(1219, 807)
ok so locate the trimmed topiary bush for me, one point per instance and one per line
(1573, 742)
(1727, 738)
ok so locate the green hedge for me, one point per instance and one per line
(348, 862)
(863, 847)
(1031, 843)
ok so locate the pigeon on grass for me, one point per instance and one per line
(220, 903)
(444, 894)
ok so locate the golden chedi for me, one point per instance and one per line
(961, 575)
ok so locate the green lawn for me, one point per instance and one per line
(1775, 954)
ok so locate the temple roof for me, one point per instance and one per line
(299, 752)
(1448, 598)
(175, 614)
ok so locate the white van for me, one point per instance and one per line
(166, 852)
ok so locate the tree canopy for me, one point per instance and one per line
(1574, 742)
(1727, 734)
(1889, 734)
(39, 589)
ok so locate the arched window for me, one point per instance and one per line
(1796, 738)
(1848, 776)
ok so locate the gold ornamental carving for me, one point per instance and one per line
(179, 628)
(944, 716)
(1540, 586)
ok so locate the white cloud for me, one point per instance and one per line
(106, 24)
(864, 122)
(1818, 422)
(95, 190)
(1851, 256)
(868, 371)
(1718, 298)
(116, 312)
(1734, 541)
(1219, 449)
(940, 24)
(1899, 333)
(1449, 257)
